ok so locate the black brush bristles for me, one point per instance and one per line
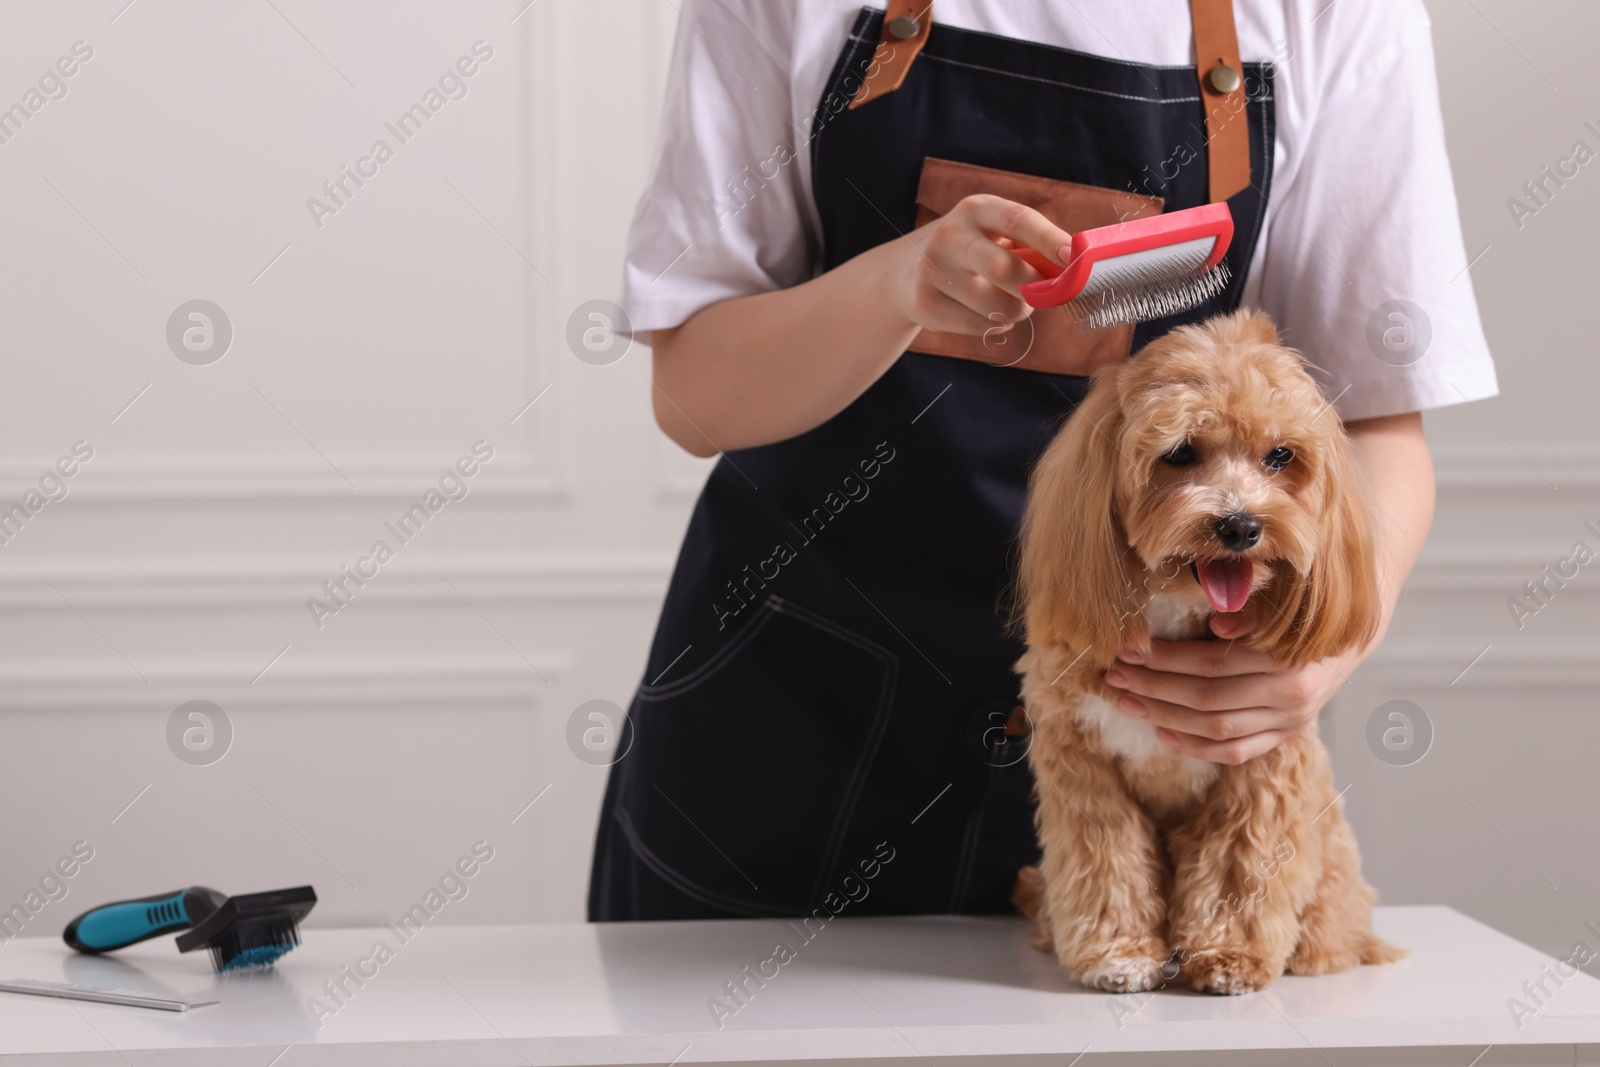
(254, 944)
(252, 930)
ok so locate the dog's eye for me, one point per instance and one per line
(1278, 458)
(1181, 456)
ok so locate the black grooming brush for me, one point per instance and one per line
(251, 930)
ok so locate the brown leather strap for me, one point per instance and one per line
(1216, 56)
(1216, 49)
(905, 31)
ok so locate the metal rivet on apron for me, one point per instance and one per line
(903, 28)
(1223, 78)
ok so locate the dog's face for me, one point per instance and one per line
(1208, 469)
(1223, 466)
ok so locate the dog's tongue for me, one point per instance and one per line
(1226, 582)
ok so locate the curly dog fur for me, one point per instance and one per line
(1158, 866)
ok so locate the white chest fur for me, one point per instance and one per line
(1135, 739)
(1172, 619)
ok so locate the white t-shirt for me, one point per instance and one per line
(1362, 212)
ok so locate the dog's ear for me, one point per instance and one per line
(1335, 607)
(1075, 573)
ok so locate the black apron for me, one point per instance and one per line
(832, 666)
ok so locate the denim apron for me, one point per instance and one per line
(831, 677)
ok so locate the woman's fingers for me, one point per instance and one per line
(1000, 267)
(979, 305)
(1229, 693)
(999, 217)
(1207, 725)
(965, 257)
(1234, 752)
(1202, 710)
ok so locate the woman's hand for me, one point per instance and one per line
(1223, 701)
(825, 341)
(956, 274)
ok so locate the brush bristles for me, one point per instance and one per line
(1149, 292)
(254, 945)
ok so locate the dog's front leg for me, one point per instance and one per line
(1104, 869)
(1245, 868)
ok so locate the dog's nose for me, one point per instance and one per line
(1238, 531)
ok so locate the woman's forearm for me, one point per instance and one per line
(1398, 470)
(758, 369)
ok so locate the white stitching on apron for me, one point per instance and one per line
(1064, 85)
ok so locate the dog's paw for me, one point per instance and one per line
(1314, 959)
(1123, 974)
(1228, 971)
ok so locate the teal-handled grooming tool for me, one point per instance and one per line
(127, 922)
(243, 931)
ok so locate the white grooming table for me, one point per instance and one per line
(890, 992)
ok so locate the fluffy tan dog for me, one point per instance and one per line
(1205, 472)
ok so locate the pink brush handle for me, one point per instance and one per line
(1064, 284)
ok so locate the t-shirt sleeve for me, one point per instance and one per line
(722, 216)
(1364, 267)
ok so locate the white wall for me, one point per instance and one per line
(424, 314)
(420, 318)
(1517, 735)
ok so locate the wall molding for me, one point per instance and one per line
(1447, 565)
(1500, 568)
(1508, 665)
(539, 577)
(134, 482)
(262, 580)
(139, 480)
(107, 683)
(1501, 468)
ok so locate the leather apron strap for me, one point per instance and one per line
(1216, 58)
(906, 24)
(905, 30)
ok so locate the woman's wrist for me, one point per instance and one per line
(882, 274)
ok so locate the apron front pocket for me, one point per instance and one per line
(1046, 341)
(745, 773)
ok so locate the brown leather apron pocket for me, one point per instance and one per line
(1049, 340)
